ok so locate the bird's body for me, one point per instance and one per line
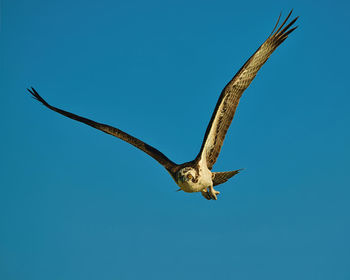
(196, 175)
(195, 178)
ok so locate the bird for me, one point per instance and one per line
(196, 175)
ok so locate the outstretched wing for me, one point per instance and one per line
(153, 152)
(230, 95)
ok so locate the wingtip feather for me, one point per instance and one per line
(283, 30)
(278, 20)
(37, 97)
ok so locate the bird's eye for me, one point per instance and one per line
(189, 176)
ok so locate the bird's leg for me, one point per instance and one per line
(206, 194)
(213, 193)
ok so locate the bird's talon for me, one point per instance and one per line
(213, 193)
(206, 194)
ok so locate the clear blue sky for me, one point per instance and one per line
(78, 204)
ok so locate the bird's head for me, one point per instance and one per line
(187, 175)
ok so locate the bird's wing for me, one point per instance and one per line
(153, 152)
(230, 95)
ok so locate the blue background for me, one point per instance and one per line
(78, 204)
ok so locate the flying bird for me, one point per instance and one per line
(196, 175)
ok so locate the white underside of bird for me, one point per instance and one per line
(191, 180)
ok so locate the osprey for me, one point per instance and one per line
(196, 175)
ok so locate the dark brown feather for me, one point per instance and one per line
(222, 177)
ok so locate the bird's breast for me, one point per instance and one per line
(203, 181)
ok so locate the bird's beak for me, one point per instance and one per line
(181, 178)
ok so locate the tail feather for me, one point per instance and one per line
(222, 177)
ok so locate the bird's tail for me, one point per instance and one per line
(222, 177)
